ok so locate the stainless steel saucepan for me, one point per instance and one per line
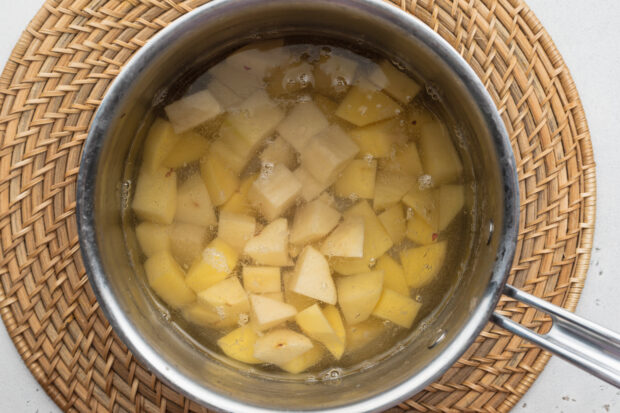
(206, 34)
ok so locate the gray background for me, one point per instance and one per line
(587, 34)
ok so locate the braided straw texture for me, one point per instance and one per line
(57, 75)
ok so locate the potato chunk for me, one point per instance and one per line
(313, 221)
(312, 277)
(165, 277)
(221, 182)
(332, 314)
(302, 363)
(281, 346)
(270, 247)
(364, 105)
(390, 187)
(357, 179)
(238, 202)
(153, 238)
(160, 141)
(227, 299)
(192, 110)
(358, 294)
(279, 151)
(376, 239)
(187, 242)
(328, 153)
(261, 279)
(218, 260)
(361, 334)
(274, 191)
(155, 198)
(194, 204)
(239, 344)
(205, 316)
(393, 220)
(347, 240)
(300, 302)
(424, 204)
(439, 156)
(236, 78)
(267, 312)
(450, 199)
(315, 325)
(403, 159)
(393, 274)
(420, 232)
(290, 79)
(422, 264)
(334, 74)
(223, 94)
(303, 122)
(190, 147)
(396, 83)
(310, 187)
(236, 229)
(397, 308)
(376, 140)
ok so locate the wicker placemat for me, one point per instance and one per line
(50, 89)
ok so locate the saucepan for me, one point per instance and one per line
(205, 35)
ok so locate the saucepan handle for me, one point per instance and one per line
(588, 346)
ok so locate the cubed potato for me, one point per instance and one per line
(187, 242)
(393, 274)
(190, 147)
(376, 239)
(315, 325)
(270, 247)
(227, 299)
(160, 141)
(332, 314)
(310, 187)
(231, 149)
(439, 155)
(236, 229)
(396, 83)
(347, 240)
(404, 159)
(364, 105)
(290, 79)
(192, 110)
(281, 346)
(155, 198)
(397, 308)
(194, 203)
(334, 74)
(205, 316)
(358, 294)
(302, 363)
(221, 182)
(255, 118)
(166, 278)
(239, 344)
(238, 202)
(357, 179)
(279, 151)
(303, 122)
(300, 302)
(421, 264)
(450, 200)
(313, 221)
(328, 153)
(258, 59)
(350, 266)
(223, 94)
(376, 140)
(390, 187)
(420, 232)
(217, 261)
(312, 277)
(236, 79)
(274, 191)
(328, 107)
(153, 238)
(261, 279)
(364, 333)
(424, 204)
(393, 220)
(268, 313)
(276, 295)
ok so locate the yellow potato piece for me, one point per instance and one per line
(187, 242)
(421, 264)
(159, 142)
(420, 232)
(396, 83)
(204, 316)
(315, 325)
(155, 198)
(362, 334)
(153, 238)
(350, 266)
(281, 346)
(300, 302)
(166, 278)
(450, 199)
(393, 220)
(261, 279)
(327, 154)
(397, 308)
(364, 105)
(236, 229)
(439, 155)
(332, 314)
(194, 204)
(238, 202)
(393, 274)
(404, 159)
(376, 239)
(274, 192)
(424, 204)
(358, 294)
(239, 344)
(390, 187)
(221, 182)
(267, 312)
(227, 299)
(302, 363)
(357, 179)
(217, 261)
(189, 148)
(376, 140)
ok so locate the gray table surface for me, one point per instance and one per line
(587, 34)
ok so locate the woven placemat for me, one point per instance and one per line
(50, 89)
